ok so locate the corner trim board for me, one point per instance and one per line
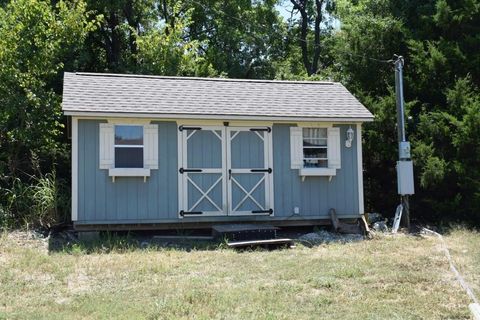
(361, 208)
(74, 169)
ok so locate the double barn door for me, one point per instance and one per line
(225, 171)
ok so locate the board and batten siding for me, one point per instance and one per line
(131, 200)
(315, 195)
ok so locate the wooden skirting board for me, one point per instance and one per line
(194, 225)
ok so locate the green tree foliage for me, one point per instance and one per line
(35, 40)
(349, 41)
(438, 39)
(241, 39)
(165, 51)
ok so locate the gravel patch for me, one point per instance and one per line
(324, 237)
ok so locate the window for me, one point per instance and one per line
(315, 144)
(128, 146)
(315, 151)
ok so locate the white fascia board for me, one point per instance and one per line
(87, 114)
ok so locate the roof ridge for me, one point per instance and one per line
(126, 75)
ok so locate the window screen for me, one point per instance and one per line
(128, 146)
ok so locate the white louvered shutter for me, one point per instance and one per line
(150, 149)
(296, 147)
(334, 148)
(107, 145)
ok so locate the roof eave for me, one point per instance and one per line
(95, 114)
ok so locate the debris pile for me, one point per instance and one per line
(324, 237)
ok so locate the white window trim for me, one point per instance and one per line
(132, 172)
(128, 172)
(314, 170)
(329, 171)
(317, 172)
(142, 146)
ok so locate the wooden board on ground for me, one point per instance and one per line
(244, 232)
(257, 243)
(342, 227)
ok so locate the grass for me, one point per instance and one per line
(404, 277)
(464, 246)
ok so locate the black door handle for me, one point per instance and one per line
(229, 174)
(269, 170)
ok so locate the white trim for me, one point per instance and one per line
(180, 176)
(267, 179)
(317, 172)
(270, 176)
(221, 123)
(160, 116)
(128, 121)
(74, 169)
(129, 172)
(360, 169)
(184, 180)
(315, 124)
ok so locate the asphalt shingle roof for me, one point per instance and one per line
(209, 97)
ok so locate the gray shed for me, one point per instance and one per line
(164, 152)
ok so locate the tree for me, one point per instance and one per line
(240, 39)
(436, 38)
(166, 50)
(313, 15)
(30, 107)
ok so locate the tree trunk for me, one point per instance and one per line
(317, 48)
(134, 26)
(301, 5)
(112, 42)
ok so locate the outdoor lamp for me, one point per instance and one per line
(348, 142)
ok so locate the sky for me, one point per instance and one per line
(285, 7)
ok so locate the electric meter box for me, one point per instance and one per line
(404, 150)
(405, 177)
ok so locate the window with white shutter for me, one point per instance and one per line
(315, 151)
(128, 149)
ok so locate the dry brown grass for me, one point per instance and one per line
(464, 246)
(402, 277)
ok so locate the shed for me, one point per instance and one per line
(167, 152)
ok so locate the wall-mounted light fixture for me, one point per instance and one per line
(350, 133)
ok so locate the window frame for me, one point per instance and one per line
(304, 158)
(115, 146)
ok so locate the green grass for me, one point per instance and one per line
(404, 277)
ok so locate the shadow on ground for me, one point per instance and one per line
(69, 241)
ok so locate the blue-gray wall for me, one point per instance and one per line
(315, 195)
(131, 200)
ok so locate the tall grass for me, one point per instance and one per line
(41, 202)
